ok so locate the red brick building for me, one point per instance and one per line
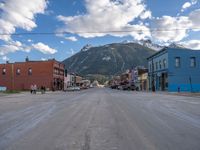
(21, 75)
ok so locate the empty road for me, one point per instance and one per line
(99, 119)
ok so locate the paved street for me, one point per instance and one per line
(99, 119)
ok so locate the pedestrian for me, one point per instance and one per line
(179, 89)
(35, 89)
(31, 89)
(44, 89)
(153, 88)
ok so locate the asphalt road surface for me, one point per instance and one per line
(99, 119)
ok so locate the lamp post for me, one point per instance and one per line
(190, 79)
(152, 75)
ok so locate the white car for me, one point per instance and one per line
(74, 88)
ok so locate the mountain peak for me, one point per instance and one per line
(110, 59)
(148, 43)
(86, 48)
(176, 45)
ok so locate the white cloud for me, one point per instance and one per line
(146, 14)
(29, 40)
(10, 47)
(171, 28)
(174, 29)
(187, 5)
(44, 48)
(194, 17)
(71, 38)
(20, 14)
(14, 46)
(62, 42)
(43, 59)
(5, 58)
(191, 44)
(106, 15)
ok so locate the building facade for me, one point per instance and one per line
(174, 69)
(21, 75)
(140, 78)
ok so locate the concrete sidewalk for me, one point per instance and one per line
(187, 94)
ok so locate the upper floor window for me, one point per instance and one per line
(192, 62)
(30, 71)
(164, 63)
(156, 65)
(177, 62)
(18, 71)
(160, 64)
(3, 71)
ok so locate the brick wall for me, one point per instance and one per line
(40, 73)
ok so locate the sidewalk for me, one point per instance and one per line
(187, 94)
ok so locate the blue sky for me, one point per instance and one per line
(95, 20)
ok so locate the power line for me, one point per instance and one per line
(95, 32)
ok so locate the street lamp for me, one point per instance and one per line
(190, 79)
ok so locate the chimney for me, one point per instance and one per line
(7, 62)
(27, 59)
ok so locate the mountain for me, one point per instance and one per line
(149, 44)
(109, 59)
(176, 45)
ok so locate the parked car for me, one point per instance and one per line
(128, 86)
(76, 88)
(115, 86)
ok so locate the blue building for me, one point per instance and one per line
(174, 69)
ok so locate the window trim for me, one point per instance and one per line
(160, 64)
(156, 65)
(164, 63)
(195, 62)
(179, 64)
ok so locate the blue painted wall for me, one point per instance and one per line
(157, 71)
(180, 77)
(177, 77)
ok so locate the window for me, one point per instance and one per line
(3, 71)
(18, 71)
(150, 67)
(29, 71)
(164, 63)
(160, 64)
(177, 62)
(156, 65)
(192, 62)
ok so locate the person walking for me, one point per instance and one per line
(35, 89)
(31, 89)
